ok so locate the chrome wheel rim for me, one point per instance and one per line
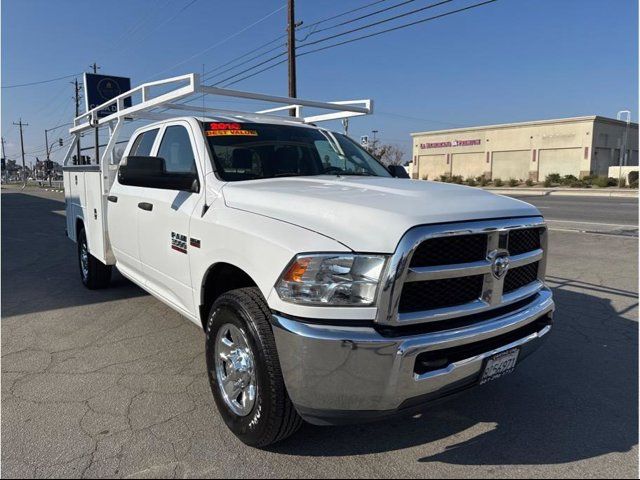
(235, 370)
(84, 260)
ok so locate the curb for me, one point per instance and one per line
(565, 192)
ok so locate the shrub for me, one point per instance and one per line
(633, 177)
(513, 182)
(634, 184)
(426, 177)
(444, 178)
(529, 182)
(578, 184)
(471, 182)
(623, 182)
(498, 182)
(547, 182)
(483, 181)
(554, 178)
(457, 179)
(569, 179)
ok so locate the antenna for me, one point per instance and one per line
(205, 207)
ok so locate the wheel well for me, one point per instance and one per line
(79, 226)
(219, 279)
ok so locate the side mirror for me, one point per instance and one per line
(398, 171)
(151, 172)
(139, 171)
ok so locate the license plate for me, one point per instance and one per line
(500, 364)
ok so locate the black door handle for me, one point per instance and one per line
(112, 198)
(146, 206)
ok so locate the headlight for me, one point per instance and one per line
(332, 279)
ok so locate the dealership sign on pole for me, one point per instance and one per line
(102, 88)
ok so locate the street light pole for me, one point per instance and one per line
(623, 147)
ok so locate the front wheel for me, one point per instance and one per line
(93, 273)
(244, 370)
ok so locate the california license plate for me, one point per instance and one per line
(500, 364)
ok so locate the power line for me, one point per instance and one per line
(337, 35)
(134, 28)
(362, 37)
(282, 44)
(399, 27)
(255, 73)
(362, 17)
(40, 82)
(379, 22)
(235, 34)
(168, 20)
(341, 14)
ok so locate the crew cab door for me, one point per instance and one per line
(164, 217)
(122, 212)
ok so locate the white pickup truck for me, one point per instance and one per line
(329, 289)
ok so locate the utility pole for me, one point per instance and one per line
(46, 146)
(4, 159)
(77, 99)
(291, 44)
(24, 170)
(95, 68)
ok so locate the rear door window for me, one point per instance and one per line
(143, 144)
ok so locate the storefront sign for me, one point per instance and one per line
(454, 143)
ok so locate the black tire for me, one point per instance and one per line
(272, 417)
(97, 274)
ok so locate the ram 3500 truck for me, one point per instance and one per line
(329, 289)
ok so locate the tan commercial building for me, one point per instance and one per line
(577, 146)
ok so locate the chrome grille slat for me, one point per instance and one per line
(401, 269)
(417, 274)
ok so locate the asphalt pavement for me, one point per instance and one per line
(112, 383)
(616, 216)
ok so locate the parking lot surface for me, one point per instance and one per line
(112, 383)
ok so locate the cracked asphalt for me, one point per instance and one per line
(112, 383)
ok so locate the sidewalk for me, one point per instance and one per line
(568, 192)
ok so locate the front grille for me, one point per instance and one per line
(451, 276)
(450, 250)
(524, 240)
(430, 294)
(520, 277)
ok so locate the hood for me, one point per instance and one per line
(368, 214)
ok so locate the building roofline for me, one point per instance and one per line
(594, 118)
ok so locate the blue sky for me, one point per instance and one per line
(512, 60)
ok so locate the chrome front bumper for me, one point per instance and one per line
(342, 374)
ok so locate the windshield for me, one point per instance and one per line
(248, 151)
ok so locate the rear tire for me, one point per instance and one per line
(93, 273)
(269, 415)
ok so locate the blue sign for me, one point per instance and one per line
(102, 88)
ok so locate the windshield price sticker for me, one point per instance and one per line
(219, 133)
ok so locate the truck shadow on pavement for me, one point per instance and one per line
(576, 398)
(39, 264)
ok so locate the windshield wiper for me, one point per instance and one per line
(354, 174)
(288, 174)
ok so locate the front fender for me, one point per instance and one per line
(258, 245)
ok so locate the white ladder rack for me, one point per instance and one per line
(143, 105)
